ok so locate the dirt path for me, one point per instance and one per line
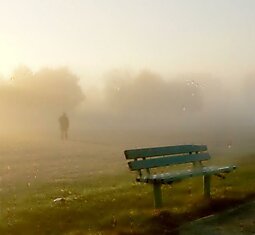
(238, 221)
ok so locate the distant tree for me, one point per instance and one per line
(148, 94)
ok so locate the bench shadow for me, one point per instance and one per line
(167, 223)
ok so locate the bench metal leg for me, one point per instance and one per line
(157, 195)
(207, 186)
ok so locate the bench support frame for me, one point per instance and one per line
(207, 185)
(157, 195)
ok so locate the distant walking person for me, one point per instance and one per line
(64, 125)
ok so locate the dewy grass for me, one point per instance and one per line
(108, 206)
(89, 200)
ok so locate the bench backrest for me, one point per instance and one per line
(163, 156)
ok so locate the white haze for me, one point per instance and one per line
(189, 108)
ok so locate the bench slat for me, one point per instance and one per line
(159, 151)
(167, 160)
(167, 178)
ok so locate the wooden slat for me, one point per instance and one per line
(160, 151)
(167, 160)
(180, 175)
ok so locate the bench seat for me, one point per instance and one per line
(168, 178)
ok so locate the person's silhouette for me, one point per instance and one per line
(64, 125)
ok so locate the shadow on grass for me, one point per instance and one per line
(165, 222)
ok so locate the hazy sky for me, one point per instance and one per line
(94, 36)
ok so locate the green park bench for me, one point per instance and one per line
(151, 162)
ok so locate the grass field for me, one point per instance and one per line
(84, 187)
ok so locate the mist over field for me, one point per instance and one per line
(186, 108)
(82, 81)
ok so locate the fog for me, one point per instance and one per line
(128, 106)
(31, 101)
(187, 108)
